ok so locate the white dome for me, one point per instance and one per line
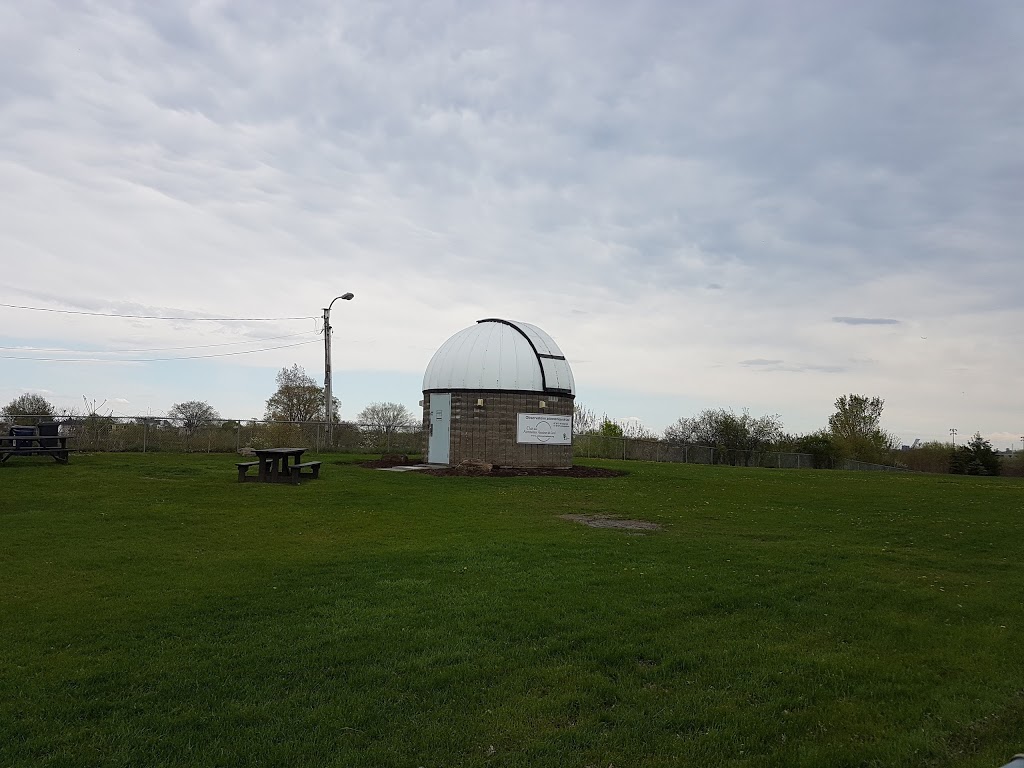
(502, 355)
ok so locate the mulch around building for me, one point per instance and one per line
(389, 460)
(471, 471)
(478, 469)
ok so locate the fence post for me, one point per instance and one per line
(145, 433)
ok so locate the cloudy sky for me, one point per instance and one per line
(718, 204)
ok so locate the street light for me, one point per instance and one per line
(328, 398)
(952, 431)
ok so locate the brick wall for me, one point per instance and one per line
(488, 433)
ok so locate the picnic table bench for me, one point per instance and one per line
(273, 466)
(34, 441)
(243, 469)
(296, 471)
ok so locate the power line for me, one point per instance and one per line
(152, 359)
(153, 349)
(156, 317)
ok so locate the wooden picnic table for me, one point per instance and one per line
(55, 446)
(274, 466)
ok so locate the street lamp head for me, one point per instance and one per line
(345, 296)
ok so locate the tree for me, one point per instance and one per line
(24, 405)
(384, 419)
(856, 416)
(584, 420)
(298, 398)
(932, 456)
(609, 428)
(855, 427)
(821, 445)
(602, 439)
(722, 428)
(191, 416)
(634, 429)
(1013, 466)
(975, 458)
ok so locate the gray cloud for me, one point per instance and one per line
(781, 365)
(626, 164)
(866, 321)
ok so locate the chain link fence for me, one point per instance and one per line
(599, 446)
(863, 466)
(158, 434)
(628, 448)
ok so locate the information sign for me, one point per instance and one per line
(541, 428)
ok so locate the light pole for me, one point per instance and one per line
(328, 397)
(952, 431)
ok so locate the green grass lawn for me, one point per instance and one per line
(153, 611)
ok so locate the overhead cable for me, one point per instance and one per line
(152, 359)
(153, 349)
(156, 317)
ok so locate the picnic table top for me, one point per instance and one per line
(278, 451)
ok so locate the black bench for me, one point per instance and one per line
(30, 441)
(295, 471)
(25, 445)
(49, 431)
(243, 468)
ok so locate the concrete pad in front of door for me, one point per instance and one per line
(404, 469)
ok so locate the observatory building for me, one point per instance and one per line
(501, 392)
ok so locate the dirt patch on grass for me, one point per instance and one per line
(476, 471)
(601, 521)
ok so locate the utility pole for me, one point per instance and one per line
(952, 431)
(328, 395)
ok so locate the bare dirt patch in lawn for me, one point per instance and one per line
(601, 521)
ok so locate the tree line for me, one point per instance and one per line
(298, 399)
(854, 432)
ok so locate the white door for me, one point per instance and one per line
(440, 428)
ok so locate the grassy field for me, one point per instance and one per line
(155, 612)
